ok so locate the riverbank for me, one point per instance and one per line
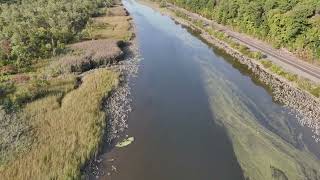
(284, 91)
(117, 106)
(68, 104)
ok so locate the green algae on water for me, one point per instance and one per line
(261, 153)
(125, 142)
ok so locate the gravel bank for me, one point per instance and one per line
(117, 107)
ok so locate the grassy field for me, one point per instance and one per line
(116, 25)
(52, 119)
(67, 130)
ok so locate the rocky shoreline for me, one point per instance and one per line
(305, 105)
(117, 107)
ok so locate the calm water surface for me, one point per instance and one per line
(186, 99)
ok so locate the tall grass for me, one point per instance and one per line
(87, 55)
(302, 83)
(67, 130)
(115, 24)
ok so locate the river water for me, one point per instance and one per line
(199, 115)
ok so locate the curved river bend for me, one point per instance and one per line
(198, 115)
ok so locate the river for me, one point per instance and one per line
(198, 114)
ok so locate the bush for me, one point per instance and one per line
(304, 84)
(181, 14)
(8, 69)
(291, 77)
(266, 63)
(316, 91)
(163, 4)
(5, 88)
(244, 50)
(256, 55)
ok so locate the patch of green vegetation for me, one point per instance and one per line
(266, 63)
(181, 14)
(302, 83)
(256, 55)
(307, 85)
(23, 89)
(199, 24)
(125, 142)
(163, 4)
(115, 24)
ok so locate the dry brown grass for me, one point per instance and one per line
(117, 11)
(115, 25)
(8, 69)
(14, 137)
(15, 134)
(89, 55)
(100, 50)
(67, 130)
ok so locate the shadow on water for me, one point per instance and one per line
(243, 69)
(176, 137)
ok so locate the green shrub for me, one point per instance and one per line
(256, 55)
(266, 63)
(40, 28)
(316, 91)
(304, 84)
(163, 4)
(291, 77)
(181, 14)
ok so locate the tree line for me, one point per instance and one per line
(32, 29)
(292, 24)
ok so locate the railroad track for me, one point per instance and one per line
(292, 61)
(314, 71)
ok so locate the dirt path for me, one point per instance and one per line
(277, 56)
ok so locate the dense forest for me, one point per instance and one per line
(32, 29)
(292, 24)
